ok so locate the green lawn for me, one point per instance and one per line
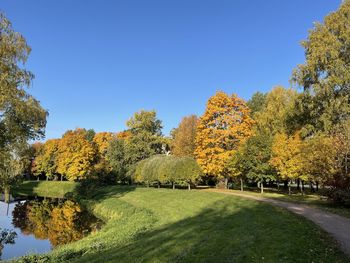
(163, 225)
(314, 200)
(45, 188)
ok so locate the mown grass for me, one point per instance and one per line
(314, 200)
(45, 188)
(163, 225)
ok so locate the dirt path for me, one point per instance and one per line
(335, 225)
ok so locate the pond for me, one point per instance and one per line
(41, 224)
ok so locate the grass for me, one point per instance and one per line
(163, 225)
(45, 188)
(314, 200)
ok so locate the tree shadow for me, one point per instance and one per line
(222, 233)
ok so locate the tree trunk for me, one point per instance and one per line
(262, 187)
(7, 194)
(317, 186)
(226, 183)
(302, 187)
(189, 186)
(47, 178)
(37, 178)
(298, 184)
(173, 185)
(286, 183)
(312, 187)
(242, 184)
(61, 177)
(158, 184)
(289, 187)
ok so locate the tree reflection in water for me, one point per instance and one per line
(59, 221)
(6, 237)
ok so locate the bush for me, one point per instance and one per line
(340, 197)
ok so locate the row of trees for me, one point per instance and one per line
(106, 156)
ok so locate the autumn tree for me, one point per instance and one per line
(287, 157)
(22, 118)
(319, 156)
(325, 75)
(224, 126)
(102, 140)
(45, 163)
(183, 143)
(276, 113)
(76, 155)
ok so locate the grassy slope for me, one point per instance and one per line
(160, 225)
(45, 188)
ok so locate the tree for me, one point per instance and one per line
(102, 141)
(287, 157)
(252, 160)
(76, 155)
(319, 158)
(325, 75)
(224, 126)
(145, 139)
(341, 145)
(46, 160)
(6, 237)
(22, 118)
(257, 102)
(162, 169)
(184, 137)
(277, 111)
(116, 158)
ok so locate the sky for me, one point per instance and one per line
(96, 62)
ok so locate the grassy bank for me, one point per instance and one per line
(45, 188)
(162, 225)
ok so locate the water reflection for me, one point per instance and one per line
(6, 237)
(61, 222)
(42, 224)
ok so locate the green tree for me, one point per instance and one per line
(257, 102)
(252, 160)
(325, 75)
(22, 118)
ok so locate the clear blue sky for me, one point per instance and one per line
(97, 62)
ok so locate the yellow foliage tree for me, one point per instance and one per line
(76, 155)
(45, 161)
(287, 157)
(224, 126)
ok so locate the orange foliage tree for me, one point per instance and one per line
(224, 126)
(183, 143)
(102, 140)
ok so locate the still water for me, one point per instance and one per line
(41, 224)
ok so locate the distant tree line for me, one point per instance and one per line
(299, 134)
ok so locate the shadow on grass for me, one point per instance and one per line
(228, 232)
